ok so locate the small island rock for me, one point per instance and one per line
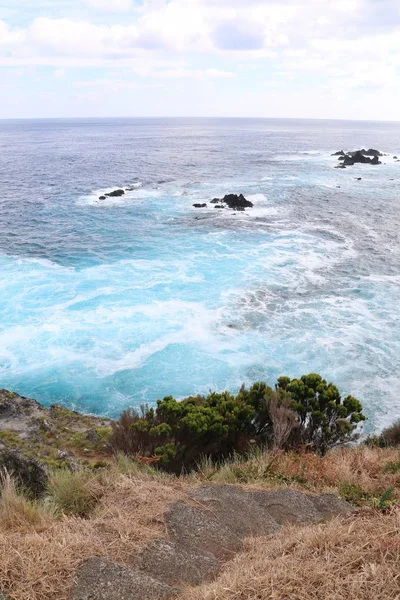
(115, 194)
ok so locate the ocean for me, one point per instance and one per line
(114, 303)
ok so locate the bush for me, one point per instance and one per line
(324, 418)
(391, 435)
(177, 435)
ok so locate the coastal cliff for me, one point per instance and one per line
(78, 521)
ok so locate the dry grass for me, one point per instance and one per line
(38, 560)
(18, 513)
(40, 550)
(357, 559)
(371, 471)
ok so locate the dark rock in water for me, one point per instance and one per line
(235, 201)
(356, 157)
(115, 194)
(349, 159)
(204, 205)
(342, 166)
(394, 156)
(358, 178)
(29, 474)
(232, 201)
(372, 152)
(102, 198)
(219, 206)
(338, 186)
(339, 153)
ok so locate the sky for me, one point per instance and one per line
(336, 59)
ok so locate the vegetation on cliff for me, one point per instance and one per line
(306, 412)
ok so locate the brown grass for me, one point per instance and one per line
(38, 562)
(356, 559)
(362, 467)
(40, 551)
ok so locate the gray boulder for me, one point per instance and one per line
(171, 564)
(98, 579)
(29, 474)
(196, 530)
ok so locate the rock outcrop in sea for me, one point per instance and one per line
(363, 156)
(114, 194)
(233, 201)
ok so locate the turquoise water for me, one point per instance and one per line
(105, 304)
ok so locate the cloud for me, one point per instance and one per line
(111, 5)
(236, 36)
(341, 45)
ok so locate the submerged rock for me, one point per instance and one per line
(204, 205)
(102, 198)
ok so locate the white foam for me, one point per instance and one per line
(130, 196)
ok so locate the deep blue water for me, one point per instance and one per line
(105, 304)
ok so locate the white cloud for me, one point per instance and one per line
(341, 45)
(110, 5)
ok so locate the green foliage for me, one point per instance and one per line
(393, 468)
(325, 419)
(307, 411)
(385, 500)
(353, 493)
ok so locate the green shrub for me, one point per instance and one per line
(325, 419)
(178, 435)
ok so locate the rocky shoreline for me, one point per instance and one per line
(35, 439)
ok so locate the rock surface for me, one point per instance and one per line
(197, 205)
(349, 159)
(98, 579)
(233, 201)
(167, 561)
(29, 474)
(202, 533)
(115, 194)
(46, 434)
